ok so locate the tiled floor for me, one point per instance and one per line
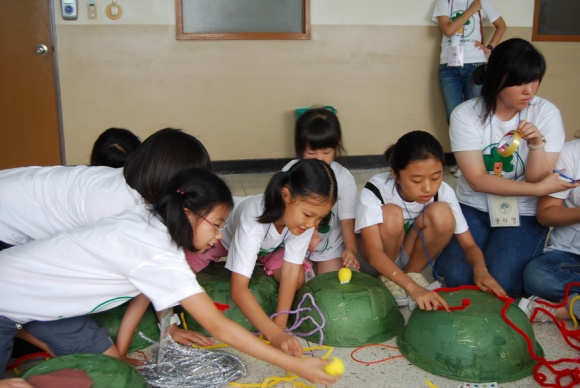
(397, 372)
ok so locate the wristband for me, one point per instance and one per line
(537, 147)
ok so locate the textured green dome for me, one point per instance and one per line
(357, 313)
(104, 371)
(473, 344)
(111, 320)
(215, 279)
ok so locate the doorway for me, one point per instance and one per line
(29, 109)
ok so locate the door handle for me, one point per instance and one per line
(41, 49)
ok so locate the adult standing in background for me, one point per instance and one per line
(462, 46)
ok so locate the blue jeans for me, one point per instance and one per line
(548, 275)
(456, 85)
(8, 329)
(507, 251)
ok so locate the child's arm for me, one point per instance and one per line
(474, 257)
(201, 307)
(349, 237)
(289, 277)
(15, 383)
(551, 212)
(249, 306)
(376, 256)
(135, 310)
(23, 334)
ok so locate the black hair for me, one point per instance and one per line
(159, 158)
(113, 146)
(317, 128)
(413, 146)
(513, 62)
(307, 178)
(195, 189)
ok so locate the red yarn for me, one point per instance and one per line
(565, 378)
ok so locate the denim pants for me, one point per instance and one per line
(456, 85)
(8, 329)
(507, 251)
(548, 275)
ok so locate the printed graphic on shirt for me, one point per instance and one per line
(468, 29)
(511, 167)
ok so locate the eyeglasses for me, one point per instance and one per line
(220, 230)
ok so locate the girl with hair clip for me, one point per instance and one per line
(293, 204)
(37, 202)
(502, 176)
(138, 251)
(406, 217)
(318, 136)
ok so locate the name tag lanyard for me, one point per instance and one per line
(503, 210)
(421, 237)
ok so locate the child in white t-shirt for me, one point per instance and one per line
(407, 216)
(318, 136)
(138, 251)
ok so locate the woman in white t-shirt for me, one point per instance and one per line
(138, 251)
(501, 179)
(407, 216)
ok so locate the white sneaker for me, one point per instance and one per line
(457, 173)
(452, 169)
(398, 292)
(529, 305)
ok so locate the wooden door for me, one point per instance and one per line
(29, 120)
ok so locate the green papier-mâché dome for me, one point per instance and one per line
(357, 313)
(215, 279)
(111, 320)
(473, 344)
(104, 371)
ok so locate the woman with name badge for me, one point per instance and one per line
(506, 143)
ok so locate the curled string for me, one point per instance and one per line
(564, 378)
(298, 322)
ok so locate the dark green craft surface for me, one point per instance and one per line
(111, 320)
(357, 313)
(474, 344)
(104, 371)
(215, 279)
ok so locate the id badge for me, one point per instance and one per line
(503, 211)
(455, 56)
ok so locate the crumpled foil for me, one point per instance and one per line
(183, 366)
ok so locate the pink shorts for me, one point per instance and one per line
(273, 261)
(198, 261)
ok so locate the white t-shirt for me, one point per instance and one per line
(331, 240)
(567, 238)
(247, 238)
(467, 133)
(37, 202)
(471, 30)
(95, 268)
(369, 210)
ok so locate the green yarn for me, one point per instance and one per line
(104, 371)
(473, 344)
(215, 279)
(357, 313)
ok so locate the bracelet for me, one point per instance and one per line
(537, 147)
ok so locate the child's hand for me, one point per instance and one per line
(189, 337)
(314, 241)
(427, 300)
(133, 361)
(287, 343)
(486, 282)
(310, 368)
(15, 383)
(349, 259)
